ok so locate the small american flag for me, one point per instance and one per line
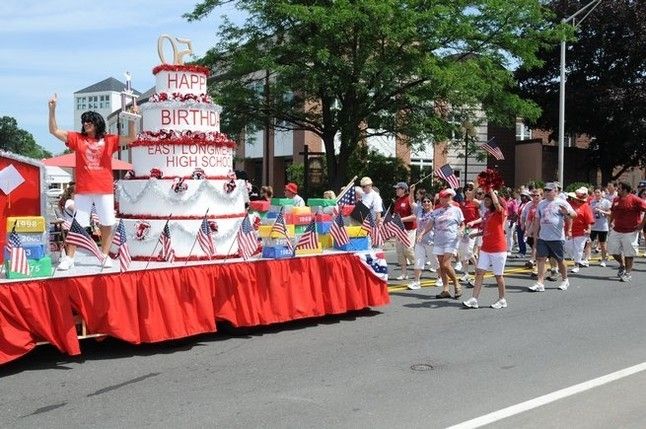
(280, 228)
(446, 173)
(337, 230)
(247, 239)
(78, 236)
(94, 216)
(167, 253)
(348, 198)
(205, 239)
(372, 229)
(121, 241)
(395, 228)
(309, 239)
(492, 147)
(18, 255)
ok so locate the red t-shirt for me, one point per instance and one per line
(93, 162)
(627, 212)
(584, 218)
(470, 210)
(403, 208)
(493, 232)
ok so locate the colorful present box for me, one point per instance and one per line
(282, 202)
(261, 215)
(296, 211)
(347, 210)
(259, 205)
(32, 237)
(26, 223)
(33, 251)
(355, 244)
(323, 227)
(323, 217)
(298, 219)
(37, 268)
(309, 251)
(265, 231)
(321, 202)
(326, 240)
(299, 229)
(356, 231)
(276, 252)
(276, 241)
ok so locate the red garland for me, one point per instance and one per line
(151, 139)
(179, 177)
(158, 217)
(182, 68)
(490, 179)
(176, 96)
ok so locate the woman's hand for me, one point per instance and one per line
(52, 102)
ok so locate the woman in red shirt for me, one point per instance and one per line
(493, 252)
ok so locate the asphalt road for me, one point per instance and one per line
(419, 363)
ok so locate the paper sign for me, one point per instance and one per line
(10, 179)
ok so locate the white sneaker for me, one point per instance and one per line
(402, 277)
(564, 284)
(575, 269)
(538, 287)
(439, 282)
(602, 263)
(65, 264)
(471, 303)
(464, 278)
(458, 266)
(107, 261)
(414, 285)
(433, 270)
(584, 263)
(501, 303)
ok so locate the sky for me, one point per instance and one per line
(62, 46)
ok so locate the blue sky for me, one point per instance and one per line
(63, 46)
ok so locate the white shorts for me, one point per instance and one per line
(104, 208)
(623, 243)
(423, 253)
(575, 246)
(466, 248)
(495, 260)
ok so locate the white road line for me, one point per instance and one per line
(550, 397)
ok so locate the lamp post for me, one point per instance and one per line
(587, 9)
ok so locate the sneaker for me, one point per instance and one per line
(575, 269)
(538, 287)
(501, 303)
(458, 266)
(65, 264)
(552, 275)
(414, 285)
(625, 277)
(464, 278)
(433, 270)
(470, 303)
(443, 294)
(107, 262)
(439, 282)
(471, 283)
(621, 271)
(402, 277)
(584, 263)
(602, 263)
(564, 284)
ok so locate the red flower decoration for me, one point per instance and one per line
(213, 225)
(156, 173)
(490, 179)
(181, 68)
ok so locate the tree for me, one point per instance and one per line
(605, 87)
(17, 140)
(361, 68)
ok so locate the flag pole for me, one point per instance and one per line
(195, 241)
(233, 242)
(345, 188)
(157, 243)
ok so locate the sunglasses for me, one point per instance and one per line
(536, 195)
(426, 201)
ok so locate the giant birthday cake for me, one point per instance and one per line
(183, 170)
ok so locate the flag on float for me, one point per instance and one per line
(494, 150)
(348, 198)
(78, 236)
(370, 227)
(167, 253)
(395, 227)
(310, 238)
(94, 216)
(280, 228)
(446, 173)
(205, 239)
(337, 230)
(17, 254)
(247, 239)
(119, 239)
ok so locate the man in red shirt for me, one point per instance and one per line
(627, 219)
(93, 149)
(403, 208)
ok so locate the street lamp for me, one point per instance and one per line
(587, 9)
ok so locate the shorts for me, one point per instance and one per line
(530, 241)
(423, 252)
(466, 248)
(623, 243)
(550, 249)
(495, 260)
(104, 208)
(444, 248)
(601, 235)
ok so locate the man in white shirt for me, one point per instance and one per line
(371, 199)
(291, 191)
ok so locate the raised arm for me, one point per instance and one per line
(53, 127)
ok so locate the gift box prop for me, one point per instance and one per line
(25, 254)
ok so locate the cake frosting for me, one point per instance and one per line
(182, 169)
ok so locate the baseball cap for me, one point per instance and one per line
(366, 181)
(401, 185)
(292, 187)
(551, 186)
(447, 193)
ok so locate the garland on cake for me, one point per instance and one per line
(152, 216)
(187, 137)
(182, 68)
(173, 104)
(154, 188)
(178, 96)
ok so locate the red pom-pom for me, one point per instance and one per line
(490, 179)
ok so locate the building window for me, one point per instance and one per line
(523, 132)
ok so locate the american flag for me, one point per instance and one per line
(247, 239)
(337, 230)
(18, 255)
(446, 173)
(348, 198)
(78, 236)
(167, 253)
(369, 225)
(310, 238)
(395, 228)
(205, 239)
(492, 147)
(119, 239)
(94, 216)
(280, 228)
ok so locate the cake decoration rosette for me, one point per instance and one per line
(142, 229)
(156, 173)
(179, 185)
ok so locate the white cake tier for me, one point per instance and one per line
(183, 82)
(180, 160)
(156, 198)
(182, 237)
(180, 116)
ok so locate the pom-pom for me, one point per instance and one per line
(490, 179)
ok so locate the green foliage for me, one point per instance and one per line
(385, 172)
(19, 141)
(576, 185)
(296, 174)
(536, 184)
(362, 68)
